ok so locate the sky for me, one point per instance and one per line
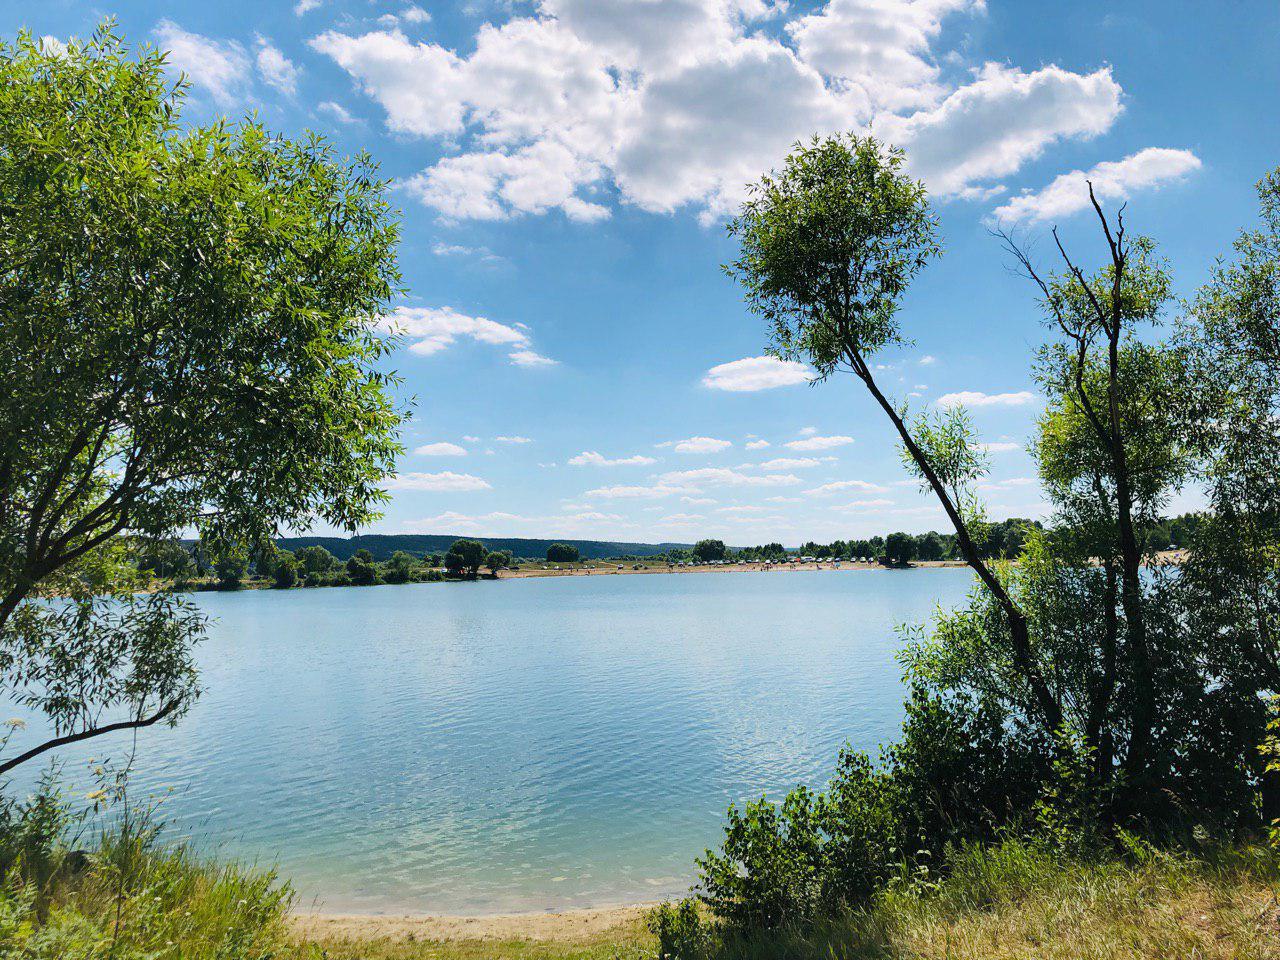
(577, 362)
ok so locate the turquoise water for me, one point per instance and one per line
(522, 745)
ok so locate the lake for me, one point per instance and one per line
(523, 745)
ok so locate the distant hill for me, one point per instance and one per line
(383, 545)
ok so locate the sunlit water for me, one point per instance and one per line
(523, 745)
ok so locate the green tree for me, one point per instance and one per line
(189, 340)
(400, 567)
(828, 246)
(900, 549)
(497, 560)
(708, 550)
(361, 568)
(285, 570)
(562, 553)
(231, 567)
(315, 559)
(929, 546)
(465, 558)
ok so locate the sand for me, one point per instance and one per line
(563, 926)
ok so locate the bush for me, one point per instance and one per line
(679, 931)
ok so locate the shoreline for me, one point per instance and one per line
(553, 926)
(825, 566)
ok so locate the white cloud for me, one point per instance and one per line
(791, 463)
(445, 482)
(701, 445)
(1000, 446)
(221, 67)
(513, 439)
(636, 492)
(807, 431)
(927, 360)
(276, 69)
(589, 458)
(528, 358)
(432, 329)
(875, 503)
(840, 486)
(819, 443)
(484, 254)
(338, 112)
(441, 449)
(573, 105)
(1112, 180)
(415, 14)
(303, 7)
(1000, 121)
(756, 373)
(881, 47)
(1011, 483)
(976, 398)
(757, 444)
(740, 511)
(723, 476)
(697, 501)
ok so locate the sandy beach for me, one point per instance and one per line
(568, 926)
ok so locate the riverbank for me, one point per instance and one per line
(1003, 903)
(606, 568)
(563, 927)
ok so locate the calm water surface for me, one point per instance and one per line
(523, 745)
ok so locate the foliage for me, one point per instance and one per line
(189, 339)
(361, 568)
(707, 550)
(465, 558)
(828, 245)
(562, 553)
(496, 560)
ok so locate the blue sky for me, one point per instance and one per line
(564, 168)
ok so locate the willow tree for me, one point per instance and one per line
(189, 343)
(830, 244)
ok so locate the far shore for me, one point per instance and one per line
(561, 926)
(599, 568)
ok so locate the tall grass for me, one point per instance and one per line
(1023, 900)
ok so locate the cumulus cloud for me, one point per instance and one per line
(757, 444)
(589, 458)
(1003, 119)
(756, 373)
(698, 445)
(338, 112)
(432, 329)
(636, 492)
(840, 486)
(791, 463)
(528, 358)
(221, 67)
(444, 482)
(576, 105)
(1000, 446)
(976, 398)
(276, 69)
(303, 7)
(441, 450)
(725, 477)
(1112, 180)
(819, 443)
(513, 439)
(880, 48)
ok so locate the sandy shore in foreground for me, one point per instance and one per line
(561, 926)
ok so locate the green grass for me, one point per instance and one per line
(1011, 902)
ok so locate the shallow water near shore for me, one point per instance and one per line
(520, 745)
